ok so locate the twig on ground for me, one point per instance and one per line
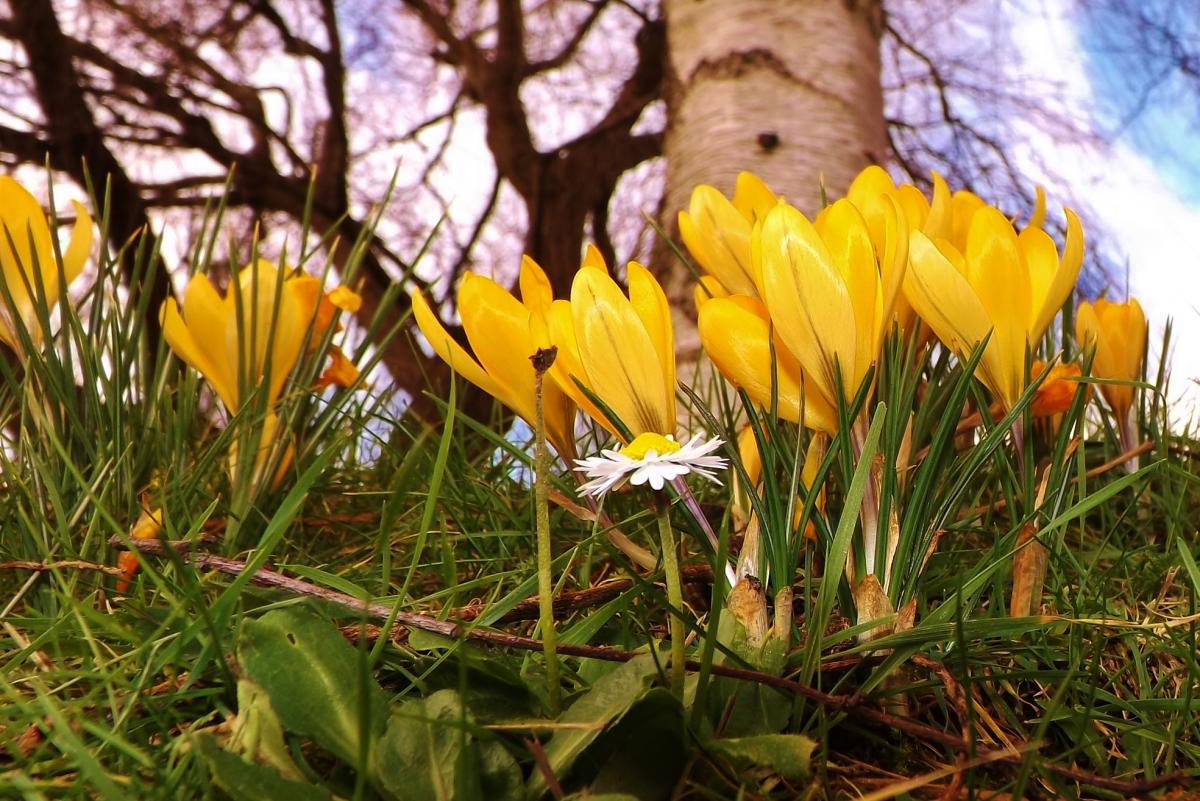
(571, 600)
(64, 564)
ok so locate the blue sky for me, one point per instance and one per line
(1146, 100)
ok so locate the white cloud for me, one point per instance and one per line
(1148, 225)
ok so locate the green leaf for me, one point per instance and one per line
(644, 754)
(789, 755)
(315, 680)
(1189, 564)
(744, 708)
(244, 781)
(429, 753)
(257, 734)
(605, 703)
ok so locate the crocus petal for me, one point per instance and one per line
(451, 352)
(893, 263)
(1038, 218)
(1090, 328)
(208, 317)
(707, 287)
(275, 318)
(80, 245)
(752, 198)
(316, 306)
(497, 326)
(867, 192)
(749, 455)
(536, 292)
(188, 347)
(1064, 278)
(947, 302)
(718, 237)
(650, 303)
(1041, 258)
(997, 272)
(340, 371)
(1131, 332)
(618, 354)
(849, 242)
(22, 220)
(345, 298)
(593, 258)
(914, 208)
(807, 297)
(568, 366)
(870, 183)
(963, 205)
(1057, 391)
(739, 343)
(939, 224)
(293, 318)
(1118, 331)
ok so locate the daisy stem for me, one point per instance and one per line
(670, 559)
(693, 506)
(541, 456)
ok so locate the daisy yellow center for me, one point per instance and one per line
(644, 443)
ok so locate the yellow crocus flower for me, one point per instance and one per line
(27, 260)
(274, 325)
(1118, 331)
(829, 292)
(620, 347)
(1008, 284)
(501, 331)
(257, 352)
(717, 230)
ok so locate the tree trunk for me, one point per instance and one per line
(787, 89)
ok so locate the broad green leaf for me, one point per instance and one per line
(315, 680)
(429, 753)
(605, 703)
(744, 708)
(257, 734)
(789, 755)
(244, 781)
(644, 754)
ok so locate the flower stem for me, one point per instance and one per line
(869, 513)
(693, 506)
(541, 456)
(1126, 434)
(670, 558)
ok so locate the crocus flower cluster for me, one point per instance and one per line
(247, 343)
(883, 255)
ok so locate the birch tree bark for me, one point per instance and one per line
(788, 89)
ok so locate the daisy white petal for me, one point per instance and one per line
(651, 459)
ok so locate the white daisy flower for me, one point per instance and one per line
(651, 459)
